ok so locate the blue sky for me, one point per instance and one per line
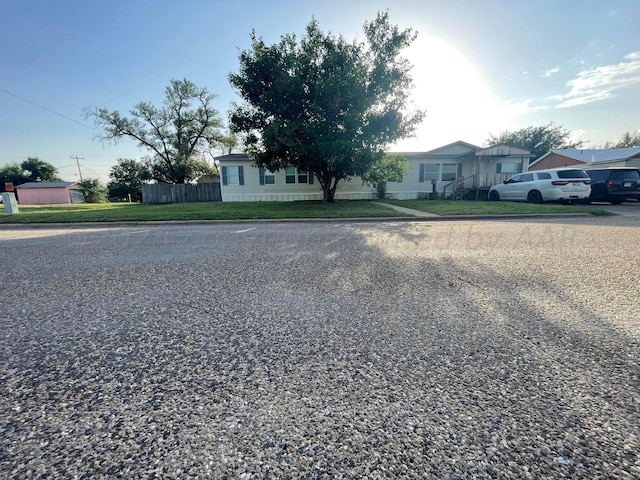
(480, 67)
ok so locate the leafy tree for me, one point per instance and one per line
(539, 140)
(12, 173)
(127, 179)
(390, 168)
(323, 104)
(176, 134)
(31, 170)
(40, 171)
(96, 192)
(628, 139)
(227, 142)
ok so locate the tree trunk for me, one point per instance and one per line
(329, 185)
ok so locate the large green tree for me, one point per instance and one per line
(30, 170)
(12, 173)
(539, 140)
(127, 177)
(37, 170)
(323, 104)
(176, 134)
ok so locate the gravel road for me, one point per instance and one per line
(448, 350)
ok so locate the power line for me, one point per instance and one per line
(47, 109)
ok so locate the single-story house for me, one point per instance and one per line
(449, 171)
(50, 193)
(586, 159)
(209, 179)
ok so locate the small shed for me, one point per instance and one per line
(50, 193)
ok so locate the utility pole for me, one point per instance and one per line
(78, 162)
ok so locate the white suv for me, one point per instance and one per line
(557, 185)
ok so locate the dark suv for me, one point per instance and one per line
(615, 184)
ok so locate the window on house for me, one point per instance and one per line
(449, 172)
(233, 175)
(267, 177)
(429, 172)
(508, 167)
(290, 175)
(293, 175)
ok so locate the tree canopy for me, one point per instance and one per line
(31, 170)
(127, 177)
(390, 168)
(323, 104)
(628, 139)
(95, 191)
(539, 140)
(177, 134)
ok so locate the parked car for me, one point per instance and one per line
(614, 185)
(557, 185)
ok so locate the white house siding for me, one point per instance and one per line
(281, 191)
(633, 162)
(460, 154)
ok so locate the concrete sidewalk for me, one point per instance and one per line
(408, 211)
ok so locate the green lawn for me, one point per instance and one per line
(448, 207)
(116, 212)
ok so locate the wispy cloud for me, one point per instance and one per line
(551, 71)
(600, 83)
(524, 106)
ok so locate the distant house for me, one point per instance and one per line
(209, 179)
(455, 169)
(586, 159)
(50, 193)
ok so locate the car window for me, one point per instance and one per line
(526, 177)
(544, 176)
(572, 174)
(515, 179)
(632, 175)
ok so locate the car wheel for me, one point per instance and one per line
(534, 197)
(494, 196)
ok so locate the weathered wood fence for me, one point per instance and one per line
(181, 193)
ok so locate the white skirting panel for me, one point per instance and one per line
(278, 197)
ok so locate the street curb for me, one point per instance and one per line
(160, 223)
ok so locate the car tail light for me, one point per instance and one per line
(587, 182)
(609, 183)
(557, 183)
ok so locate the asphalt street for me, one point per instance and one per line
(453, 350)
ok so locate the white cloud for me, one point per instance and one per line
(523, 107)
(551, 71)
(601, 82)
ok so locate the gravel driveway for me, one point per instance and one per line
(449, 350)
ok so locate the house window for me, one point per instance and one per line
(266, 177)
(429, 172)
(233, 175)
(449, 172)
(293, 175)
(290, 175)
(508, 167)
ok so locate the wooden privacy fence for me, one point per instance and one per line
(181, 193)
